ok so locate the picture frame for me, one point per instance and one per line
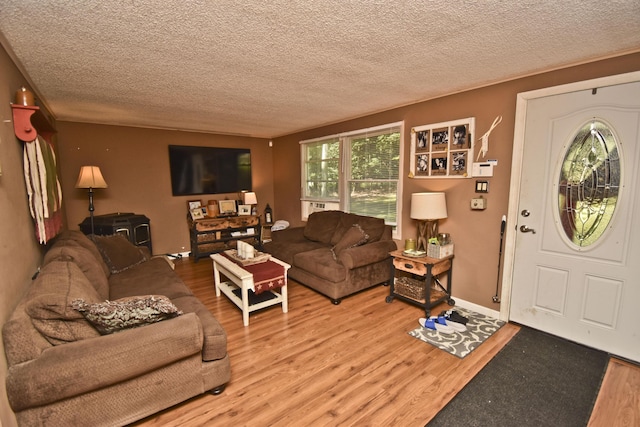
(227, 207)
(458, 161)
(422, 164)
(244, 209)
(196, 213)
(193, 204)
(442, 150)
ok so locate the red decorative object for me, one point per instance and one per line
(29, 121)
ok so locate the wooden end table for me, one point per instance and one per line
(239, 278)
(423, 271)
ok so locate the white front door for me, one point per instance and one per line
(566, 280)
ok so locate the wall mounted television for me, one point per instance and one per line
(209, 170)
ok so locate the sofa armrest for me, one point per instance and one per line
(367, 254)
(74, 368)
(293, 234)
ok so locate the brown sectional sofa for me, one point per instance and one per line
(336, 253)
(63, 372)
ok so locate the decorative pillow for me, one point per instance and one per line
(81, 239)
(321, 226)
(49, 303)
(355, 236)
(84, 259)
(113, 316)
(119, 253)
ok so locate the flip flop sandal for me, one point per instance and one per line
(458, 327)
(434, 325)
(454, 316)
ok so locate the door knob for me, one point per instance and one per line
(526, 229)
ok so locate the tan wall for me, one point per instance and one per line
(476, 233)
(20, 252)
(135, 165)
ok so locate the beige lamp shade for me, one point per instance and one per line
(250, 198)
(427, 206)
(90, 177)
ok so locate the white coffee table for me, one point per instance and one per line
(239, 278)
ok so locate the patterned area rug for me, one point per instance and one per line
(460, 344)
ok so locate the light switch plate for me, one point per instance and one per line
(482, 186)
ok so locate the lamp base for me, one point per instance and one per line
(426, 230)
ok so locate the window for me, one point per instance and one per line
(321, 170)
(589, 184)
(356, 172)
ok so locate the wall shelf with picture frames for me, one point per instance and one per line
(442, 150)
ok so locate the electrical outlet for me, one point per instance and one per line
(479, 203)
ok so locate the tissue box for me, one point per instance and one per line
(439, 251)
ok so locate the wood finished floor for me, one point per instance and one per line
(350, 364)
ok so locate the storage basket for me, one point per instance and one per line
(410, 288)
(439, 251)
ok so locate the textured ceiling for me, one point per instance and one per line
(269, 68)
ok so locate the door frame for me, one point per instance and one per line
(522, 102)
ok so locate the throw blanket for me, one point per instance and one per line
(266, 275)
(43, 188)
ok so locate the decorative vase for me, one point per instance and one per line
(24, 97)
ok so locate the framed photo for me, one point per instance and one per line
(244, 209)
(422, 140)
(422, 164)
(458, 163)
(205, 211)
(227, 207)
(461, 137)
(440, 139)
(193, 204)
(442, 150)
(196, 213)
(439, 164)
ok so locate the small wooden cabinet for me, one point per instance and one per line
(212, 235)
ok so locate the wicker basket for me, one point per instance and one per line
(410, 288)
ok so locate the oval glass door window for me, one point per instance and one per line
(589, 184)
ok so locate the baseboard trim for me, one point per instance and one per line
(477, 308)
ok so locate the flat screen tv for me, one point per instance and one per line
(209, 170)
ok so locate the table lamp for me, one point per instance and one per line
(427, 208)
(90, 177)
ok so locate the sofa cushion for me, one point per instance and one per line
(285, 251)
(49, 303)
(154, 277)
(113, 316)
(119, 253)
(320, 262)
(355, 236)
(321, 226)
(83, 240)
(83, 258)
(374, 227)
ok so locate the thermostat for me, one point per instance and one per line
(482, 169)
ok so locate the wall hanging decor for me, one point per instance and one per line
(442, 150)
(40, 173)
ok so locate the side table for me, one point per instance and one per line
(239, 278)
(414, 284)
